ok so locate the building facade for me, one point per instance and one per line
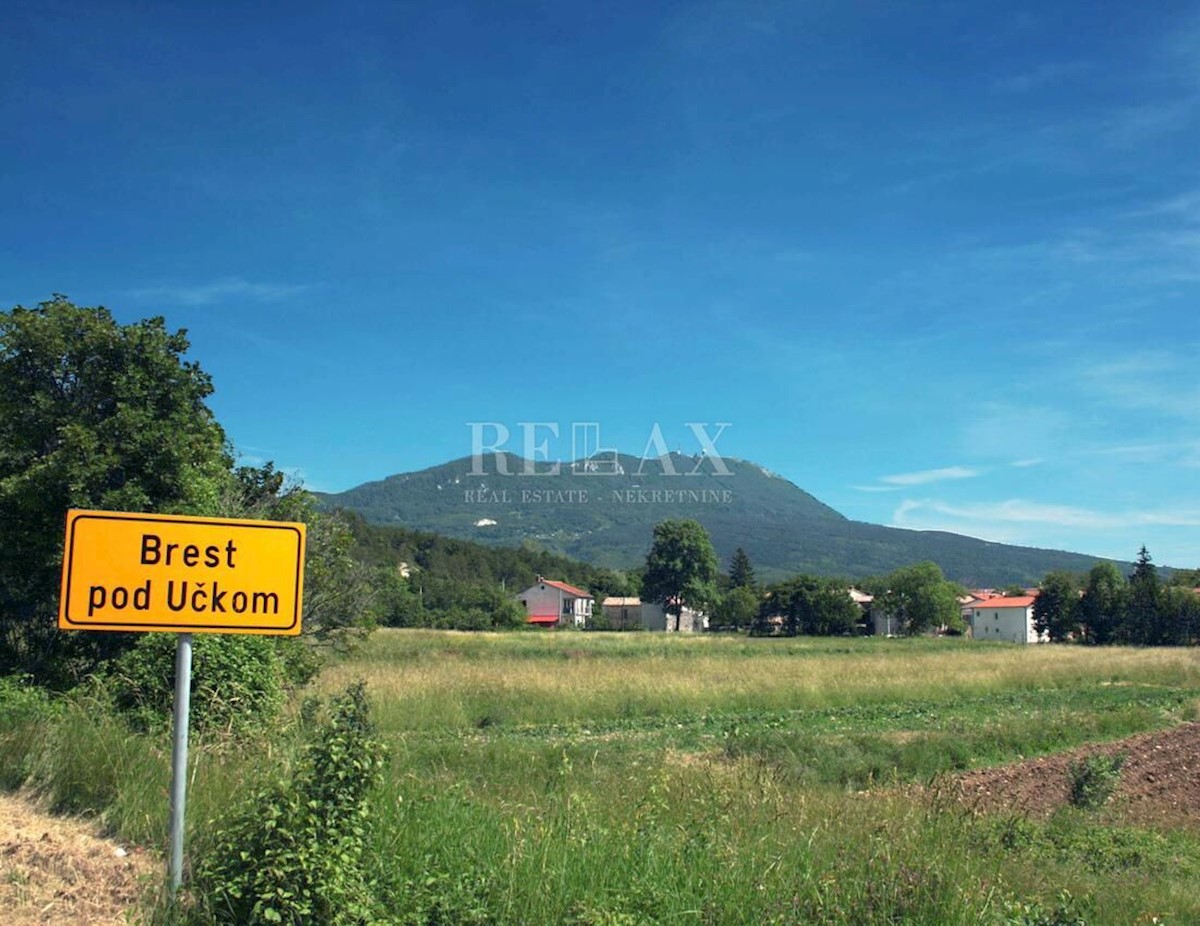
(556, 604)
(1006, 619)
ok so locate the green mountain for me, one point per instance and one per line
(604, 512)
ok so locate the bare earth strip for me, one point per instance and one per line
(1160, 782)
(57, 870)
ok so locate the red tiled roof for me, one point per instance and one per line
(1024, 601)
(564, 587)
(543, 618)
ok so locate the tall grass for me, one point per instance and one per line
(431, 680)
(681, 842)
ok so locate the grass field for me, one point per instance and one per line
(638, 778)
(629, 779)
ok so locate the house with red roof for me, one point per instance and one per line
(1008, 619)
(556, 604)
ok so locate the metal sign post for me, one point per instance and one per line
(179, 754)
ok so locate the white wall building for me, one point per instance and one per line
(634, 614)
(1007, 619)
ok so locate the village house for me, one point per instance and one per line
(1007, 619)
(627, 613)
(556, 604)
(635, 614)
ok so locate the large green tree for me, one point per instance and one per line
(921, 598)
(814, 606)
(1144, 606)
(681, 567)
(1055, 610)
(736, 609)
(93, 414)
(1102, 607)
(1180, 616)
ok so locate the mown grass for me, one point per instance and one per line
(628, 779)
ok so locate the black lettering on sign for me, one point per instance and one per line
(155, 552)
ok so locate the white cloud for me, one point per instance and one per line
(1024, 512)
(1184, 206)
(997, 428)
(232, 288)
(924, 477)
(1153, 381)
(1049, 73)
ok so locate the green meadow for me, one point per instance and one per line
(638, 779)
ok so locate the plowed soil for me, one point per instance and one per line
(58, 870)
(1159, 786)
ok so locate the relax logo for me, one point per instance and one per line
(589, 456)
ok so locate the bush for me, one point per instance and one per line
(293, 853)
(237, 681)
(1094, 780)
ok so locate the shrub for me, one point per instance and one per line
(293, 853)
(1066, 912)
(1094, 780)
(237, 681)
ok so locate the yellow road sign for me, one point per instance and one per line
(130, 571)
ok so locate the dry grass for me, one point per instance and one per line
(56, 870)
(424, 680)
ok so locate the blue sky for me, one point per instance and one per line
(938, 264)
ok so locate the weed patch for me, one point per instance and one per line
(1094, 779)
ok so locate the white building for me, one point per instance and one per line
(1008, 619)
(632, 614)
(635, 614)
(556, 604)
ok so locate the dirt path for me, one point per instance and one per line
(1160, 782)
(56, 870)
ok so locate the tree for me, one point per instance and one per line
(921, 598)
(736, 609)
(1143, 608)
(681, 567)
(1102, 607)
(741, 573)
(1180, 617)
(815, 606)
(1055, 608)
(93, 414)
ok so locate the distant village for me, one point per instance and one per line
(987, 614)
